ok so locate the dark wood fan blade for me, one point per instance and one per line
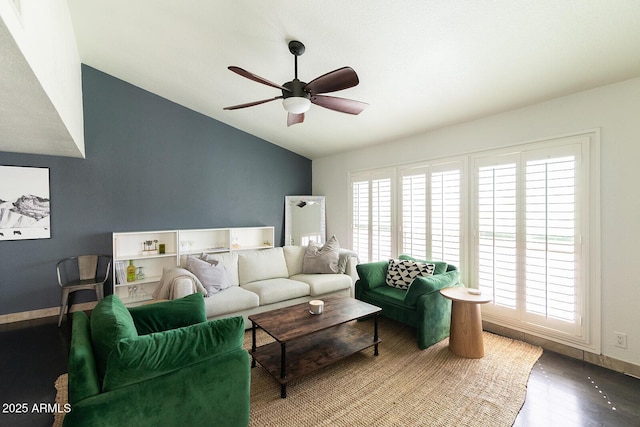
(293, 119)
(255, 78)
(251, 104)
(342, 78)
(342, 105)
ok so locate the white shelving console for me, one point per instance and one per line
(129, 246)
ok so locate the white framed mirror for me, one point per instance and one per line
(304, 220)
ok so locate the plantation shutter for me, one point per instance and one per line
(371, 217)
(446, 216)
(414, 213)
(360, 219)
(381, 226)
(552, 237)
(528, 236)
(496, 232)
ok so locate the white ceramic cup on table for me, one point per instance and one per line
(316, 306)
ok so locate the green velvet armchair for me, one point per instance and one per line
(421, 306)
(159, 364)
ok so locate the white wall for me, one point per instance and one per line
(615, 109)
(43, 32)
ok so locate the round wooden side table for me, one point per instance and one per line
(465, 338)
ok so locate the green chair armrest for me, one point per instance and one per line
(83, 376)
(139, 359)
(162, 316)
(429, 284)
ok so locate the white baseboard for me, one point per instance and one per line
(43, 312)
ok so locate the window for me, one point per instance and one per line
(529, 214)
(528, 252)
(496, 232)
(360, 218)
(381, 225)
(551, 248)
(414, 213)
(371, 218)
(431, 212)
(446, 219)
(428, 220)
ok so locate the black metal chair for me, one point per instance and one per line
(79, 273)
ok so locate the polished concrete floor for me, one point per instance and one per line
(32, 355)
(570, 393)
(561, 392)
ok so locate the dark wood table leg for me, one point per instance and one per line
(375, 334)
(283, 369)
(253, 344)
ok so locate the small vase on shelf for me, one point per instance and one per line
(140, 273)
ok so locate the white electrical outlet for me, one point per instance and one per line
(620, 339)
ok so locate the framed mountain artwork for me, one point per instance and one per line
(25, 207)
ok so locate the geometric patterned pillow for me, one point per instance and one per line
(401, 273)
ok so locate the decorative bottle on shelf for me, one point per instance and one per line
(131, 272)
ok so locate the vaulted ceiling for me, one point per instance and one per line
(421, 64)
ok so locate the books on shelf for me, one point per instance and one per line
(121, 273)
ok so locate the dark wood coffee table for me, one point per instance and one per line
(306, 342)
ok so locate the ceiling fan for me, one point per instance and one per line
(297, 96)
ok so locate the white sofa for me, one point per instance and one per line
(267, 279)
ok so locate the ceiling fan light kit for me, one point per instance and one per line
(297, 96)
(296, 104)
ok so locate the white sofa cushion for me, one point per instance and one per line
(230, 300)
(261, 265)
(294, 256)
(320, 284)
(276, 290)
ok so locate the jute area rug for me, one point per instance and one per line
(403, 386)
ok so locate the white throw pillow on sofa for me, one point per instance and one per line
(213, 276)
(229, 260)
(322, 260)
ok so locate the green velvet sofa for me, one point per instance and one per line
(160, 364)
(421, 306)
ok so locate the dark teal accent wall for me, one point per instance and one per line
(150, 165)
